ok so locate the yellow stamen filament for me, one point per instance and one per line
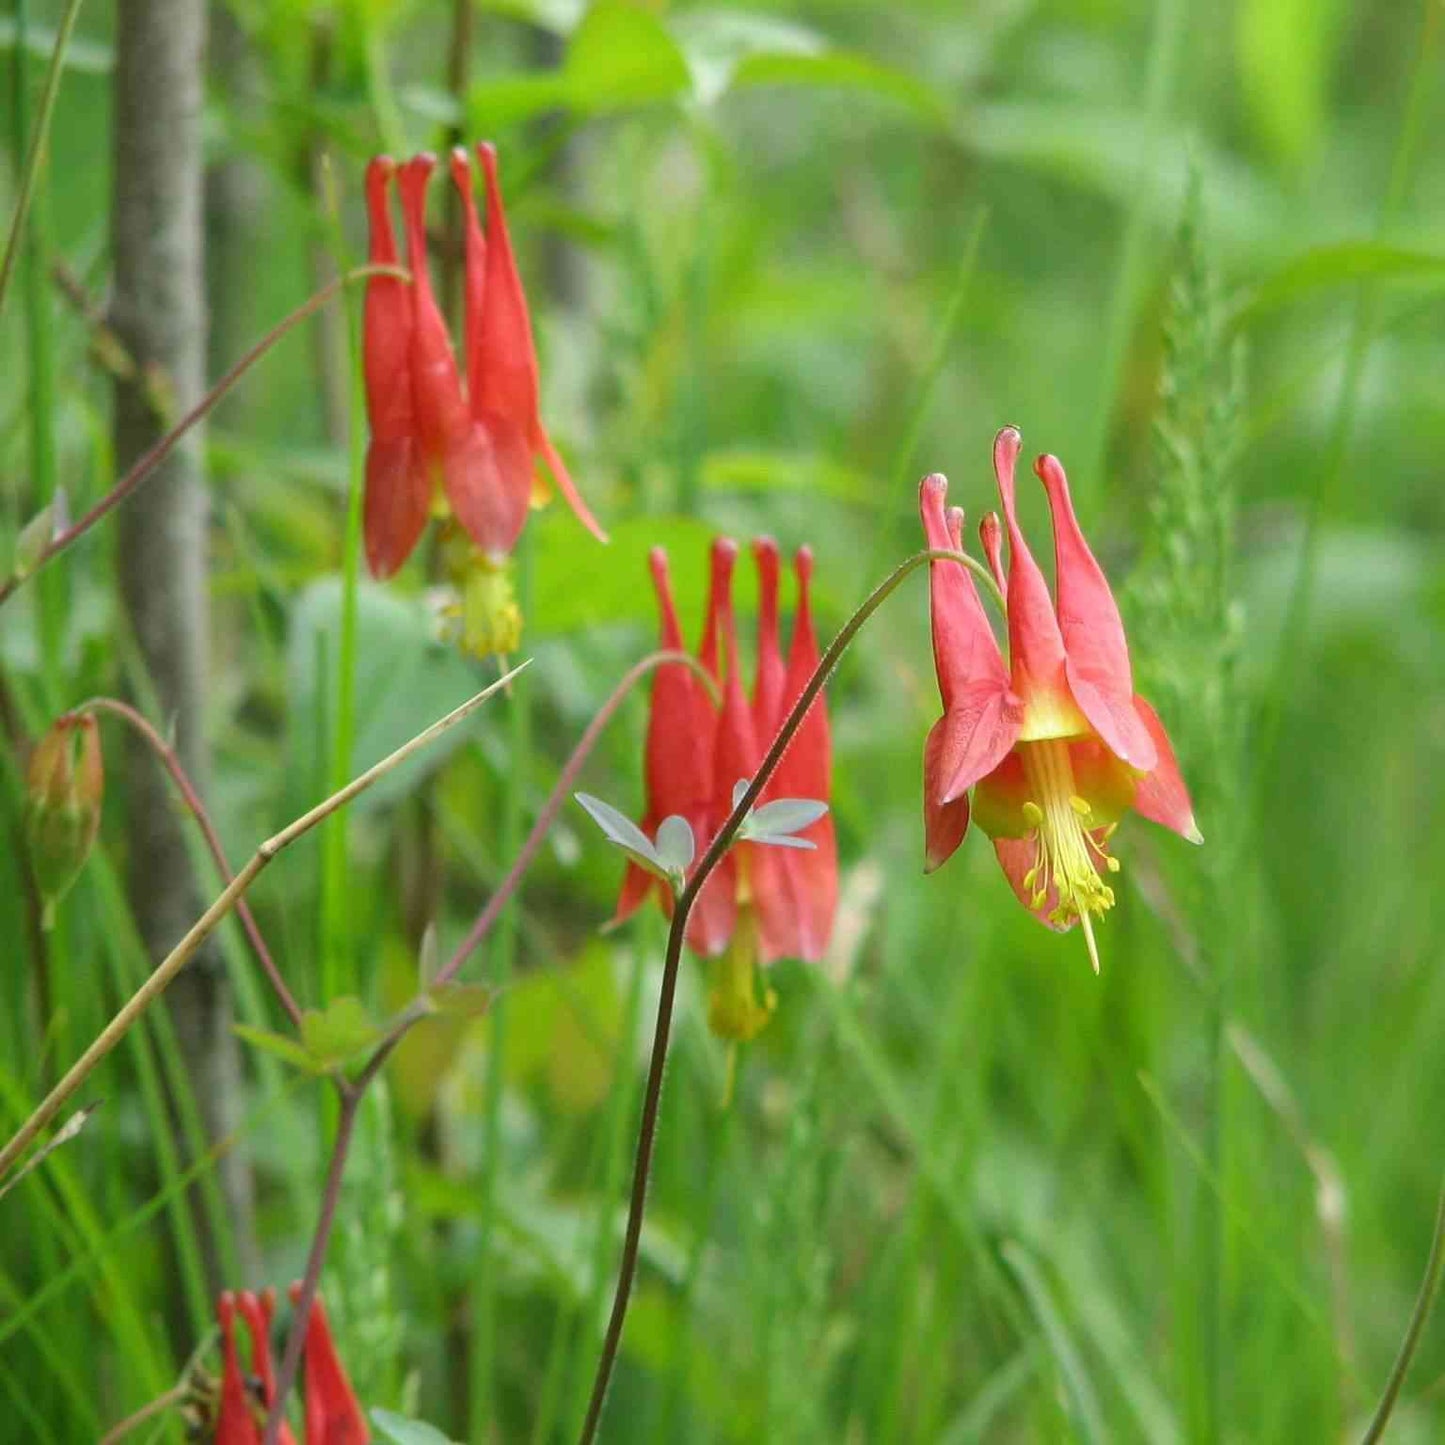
(1068, 856)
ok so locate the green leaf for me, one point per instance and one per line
(37, 534)
(282, 1046)
(339, 1032)
(405, 680)
(838, 70)
(623, 833)
(401, 1431)
(787, 815)
(1339, 265)
(676, 846)
(619, 57)
(460, 1000)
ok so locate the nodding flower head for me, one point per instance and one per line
(247, 1393)
(761, 902)
(449, 440)
(1049, 748)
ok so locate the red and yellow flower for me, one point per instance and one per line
(762, 902)
(461, 443)
(1053, 745)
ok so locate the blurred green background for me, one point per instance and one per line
(783, 259)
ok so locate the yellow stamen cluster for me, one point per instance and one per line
(485, 620)
(1068, 856)
(734, 1009)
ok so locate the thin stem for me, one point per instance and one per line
(172, 764)
(647, 1129)
(199, 931)
(331, 1196)
(151, 459)
(1429, 1286)
(31, 173)
(176, 1395)
(561, 791)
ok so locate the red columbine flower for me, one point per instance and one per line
(441, 441)
(761, 902)
(333, 1416)
(1055, 743)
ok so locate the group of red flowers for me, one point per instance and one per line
(1046, 750)
(1046, 747)
(238, 1410)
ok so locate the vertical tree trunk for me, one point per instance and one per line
(159, 312)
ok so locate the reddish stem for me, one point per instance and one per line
(172, 764)
(146, 464)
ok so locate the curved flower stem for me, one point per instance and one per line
(561, 790)
(176, 1395)
(647, 1129)
(172, 764)
(147, 463)
(202, 928)
(1429, 1287)
(351, 1092)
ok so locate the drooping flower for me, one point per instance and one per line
(64, 785)
(457, 442)
(1053, 743)
(245, 1397)
(761, 902)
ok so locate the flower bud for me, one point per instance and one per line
(64, 786)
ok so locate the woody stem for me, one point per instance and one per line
(172, 764)
(647, 1129)
(147, 463)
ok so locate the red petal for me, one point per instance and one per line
(395, 503)
(1016, 858)
(771, 674)
(714, 915)
(1093, 633)
(333, 1416)
(964, 649)
(735, 752)
(504, 372)
(235, 1424)
(568, 487)
(1161, 795)
(798, 889)
(442, 420)
(475, 264)
(944, 824)
(974, 737)
(681, 722)
(258, 1322)
(990, 536)
(797, 896)
(637, 888)
(720, 561)
(1036, 647)
(487, 471)
(397, 494)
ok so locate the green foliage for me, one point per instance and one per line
(783, 258)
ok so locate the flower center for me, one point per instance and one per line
(1069, 850)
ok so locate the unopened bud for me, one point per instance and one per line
(64, 786)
